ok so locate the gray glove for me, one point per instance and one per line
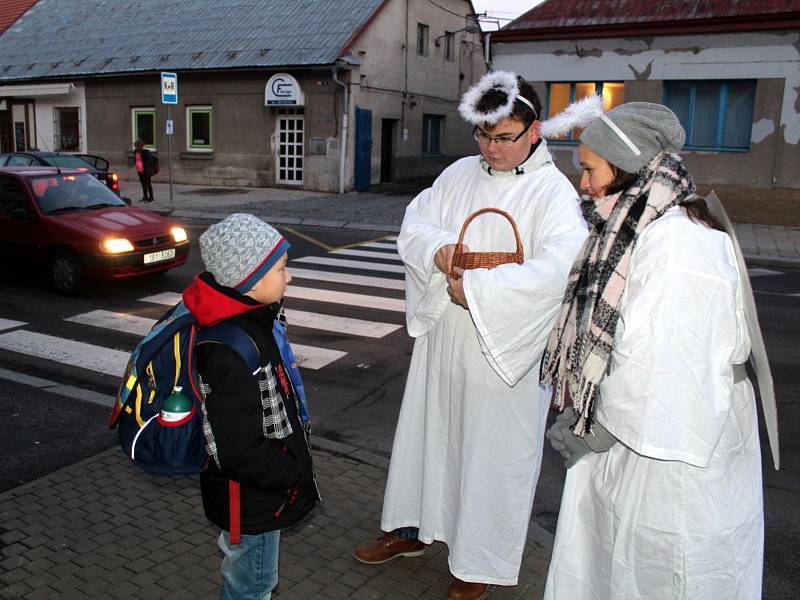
(573, 447)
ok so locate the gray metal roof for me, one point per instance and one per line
(59, 38)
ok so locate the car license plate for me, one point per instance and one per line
(161, 256)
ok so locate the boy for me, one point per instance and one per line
(260, 474)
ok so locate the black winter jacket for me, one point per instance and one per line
(277, 487)
(148, 163)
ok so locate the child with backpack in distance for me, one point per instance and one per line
(260, 474)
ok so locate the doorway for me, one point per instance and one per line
(363, 150)
(388, 127)
(289, 157)
(6, 127)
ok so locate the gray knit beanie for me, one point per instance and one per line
(239, 250)
(650, 128)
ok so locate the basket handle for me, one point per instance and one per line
(480, 211)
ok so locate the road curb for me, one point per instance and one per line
(757, 260)
(294, 221)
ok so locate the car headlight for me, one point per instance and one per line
(116, 245)
(178, 234)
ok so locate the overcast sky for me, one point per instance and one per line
(504, 10)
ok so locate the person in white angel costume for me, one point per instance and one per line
(663, 496)
(468, 443)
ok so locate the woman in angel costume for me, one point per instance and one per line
(468, 444)
(663, 496)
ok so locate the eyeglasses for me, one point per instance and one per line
(502, 140)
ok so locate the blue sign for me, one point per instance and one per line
(169, 88)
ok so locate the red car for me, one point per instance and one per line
(73, 225)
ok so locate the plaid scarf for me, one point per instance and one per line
(579, 348)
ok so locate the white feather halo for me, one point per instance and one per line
(504, 81)
(577, 114)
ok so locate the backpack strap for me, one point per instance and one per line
(290, 364)
(236, 338)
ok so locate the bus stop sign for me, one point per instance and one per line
(169, 88)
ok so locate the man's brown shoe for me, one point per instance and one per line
(465, 590)
(388, 547)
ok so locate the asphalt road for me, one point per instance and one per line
(355, 400)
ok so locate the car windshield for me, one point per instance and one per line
(64, 193)
(71, 162)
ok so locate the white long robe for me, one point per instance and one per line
(468, 444)
(675, 510)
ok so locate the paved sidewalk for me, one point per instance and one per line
(382, 209)
(103, 529)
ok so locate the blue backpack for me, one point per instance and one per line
(162, 361)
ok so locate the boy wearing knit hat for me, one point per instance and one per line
(260, 473)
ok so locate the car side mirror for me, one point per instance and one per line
(22, 214)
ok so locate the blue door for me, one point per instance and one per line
(363, 149)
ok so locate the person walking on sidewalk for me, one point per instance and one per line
(649, 351)
(468, 444)
(260, 474)
(145, 168)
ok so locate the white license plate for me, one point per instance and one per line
(161, 256)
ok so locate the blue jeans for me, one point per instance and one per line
(250, 568)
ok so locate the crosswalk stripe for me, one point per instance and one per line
(115, 321)
(784, 294)
(11, 324)
(382, 245)
(113, 362)
(359, 327)
(760, 272)
(311, 357)
(70, 352)
(367, 254)
(141, 325)
(350, 264)
(165, 298)
(394, 304)
(348, 278)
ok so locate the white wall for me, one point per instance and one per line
(770, 58)
(45, 115)
(718, 56)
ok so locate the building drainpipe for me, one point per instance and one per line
(345, 112)
(487, 55)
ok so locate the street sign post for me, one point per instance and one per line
(169, 96)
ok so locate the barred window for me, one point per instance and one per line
(67, 129)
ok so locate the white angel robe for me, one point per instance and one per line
(468, 444)
(675, 510)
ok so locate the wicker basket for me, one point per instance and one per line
(485, 260)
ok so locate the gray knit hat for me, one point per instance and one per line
(239, 250)
(641, 127)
